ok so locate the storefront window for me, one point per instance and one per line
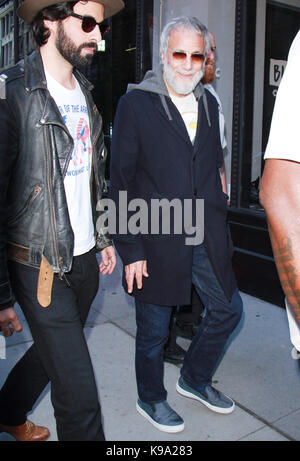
(274, 26)
(124, 57)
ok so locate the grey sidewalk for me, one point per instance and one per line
(257, 371)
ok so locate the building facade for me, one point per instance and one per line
(7, 34)
(14, 35)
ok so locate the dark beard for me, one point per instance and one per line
(68, 50)
(209, 75)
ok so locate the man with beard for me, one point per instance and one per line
(186, 319)
(51, 178)
(166, 146)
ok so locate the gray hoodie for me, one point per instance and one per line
(153, 82)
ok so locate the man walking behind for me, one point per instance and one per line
(52, 162)
(166, 145)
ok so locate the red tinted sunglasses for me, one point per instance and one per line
(181, 56)
(88, 24)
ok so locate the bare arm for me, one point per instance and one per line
(223, 179)
(280, 196)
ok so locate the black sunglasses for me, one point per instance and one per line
(88, 24)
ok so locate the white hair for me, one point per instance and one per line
(190, 23)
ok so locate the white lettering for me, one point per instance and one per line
(277, 68)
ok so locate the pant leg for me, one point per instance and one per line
(152, 334)
(191, 314)
(171, 343)
(29, 373)
(22, 388)
(84, 281)
(59, 341)
(221, 318)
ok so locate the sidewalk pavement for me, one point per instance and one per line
(257, 371)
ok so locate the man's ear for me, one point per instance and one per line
(162, 57)
(51, 25)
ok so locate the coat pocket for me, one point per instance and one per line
(26, 207)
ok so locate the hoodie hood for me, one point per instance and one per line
(153, 82)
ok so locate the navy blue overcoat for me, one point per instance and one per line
(152, 157)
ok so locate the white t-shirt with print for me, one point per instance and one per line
(188, 109)
(73, 109)
(284, 138)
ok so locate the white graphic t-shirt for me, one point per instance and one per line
(73, 108)
(188, 108)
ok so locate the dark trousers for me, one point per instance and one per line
(221, 318)
(59, 353)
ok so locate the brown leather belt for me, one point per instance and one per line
(17, 253)
(21, 254)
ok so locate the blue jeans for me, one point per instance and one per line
(221, 318)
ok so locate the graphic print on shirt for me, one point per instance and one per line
(188, 109)
(190, 119)
(81, 146)
(79, 128)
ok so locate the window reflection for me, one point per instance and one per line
(282, 22)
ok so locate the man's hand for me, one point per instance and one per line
(136, 271)
(9, 322)
(109, 260)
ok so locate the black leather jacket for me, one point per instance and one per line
(35, 150)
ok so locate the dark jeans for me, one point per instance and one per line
(59, 353)
(221, 318)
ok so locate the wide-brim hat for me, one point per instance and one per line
(30, 8)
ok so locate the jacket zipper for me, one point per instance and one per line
(58, 258)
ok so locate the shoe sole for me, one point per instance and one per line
(224, 411)
(160, 427)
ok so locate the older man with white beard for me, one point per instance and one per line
(166, 145)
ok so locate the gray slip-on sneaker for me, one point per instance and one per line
(161, 416)
(210, 397)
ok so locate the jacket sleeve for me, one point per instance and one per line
(103, 239)
(8, 153)
(123, 168)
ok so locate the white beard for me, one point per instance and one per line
(179, 87)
